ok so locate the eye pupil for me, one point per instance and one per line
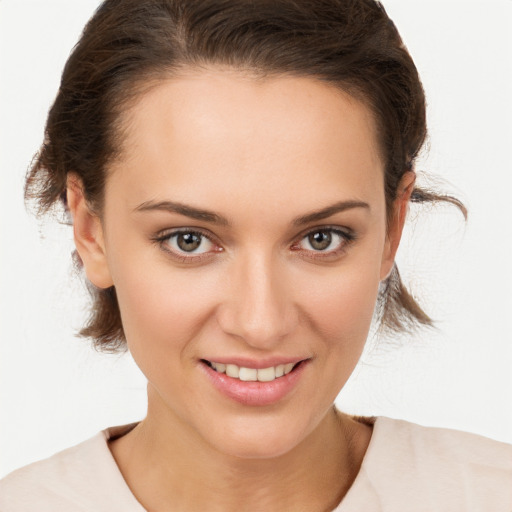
(320, 240)
(188, 241)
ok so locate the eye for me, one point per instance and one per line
(321, 240)
(325, 242)
(189, 241)
(187, 244)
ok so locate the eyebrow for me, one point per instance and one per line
(183, 209)
(328, 211)
(214, 218)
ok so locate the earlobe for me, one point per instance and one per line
(397, 221)
(88, 234)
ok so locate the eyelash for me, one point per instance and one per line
(163, 241)
(347, 236)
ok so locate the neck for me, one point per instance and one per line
(168, 467)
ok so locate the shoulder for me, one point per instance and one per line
(445, 446)
(438, 468)
(82, 478)
(51, 483)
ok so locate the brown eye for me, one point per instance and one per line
(189, 242)
(320, 240)
(328, 241)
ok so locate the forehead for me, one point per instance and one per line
(204, 135)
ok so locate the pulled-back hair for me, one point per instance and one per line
(129, 45)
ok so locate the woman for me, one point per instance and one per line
(238, 175)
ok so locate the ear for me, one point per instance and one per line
(88, 234)
(396, 222)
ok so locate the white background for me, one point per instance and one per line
(56, 391)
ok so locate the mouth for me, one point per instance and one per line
(255, 386)
(245, 374)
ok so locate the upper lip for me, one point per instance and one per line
(255, 363)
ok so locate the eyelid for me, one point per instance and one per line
(342, 230)
(161, 237)
(348, 235)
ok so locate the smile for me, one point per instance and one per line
(255, 386)
(252, 374)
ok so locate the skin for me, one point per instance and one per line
(259, 153)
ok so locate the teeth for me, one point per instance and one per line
(248, 374)
(266, 374)
(252, 374)
(232, 370)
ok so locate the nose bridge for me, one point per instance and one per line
(260, 308)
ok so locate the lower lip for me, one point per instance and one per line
(255, 393)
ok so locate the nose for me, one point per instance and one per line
(258, 306)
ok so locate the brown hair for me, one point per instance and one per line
(129, 44)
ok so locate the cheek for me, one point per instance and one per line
(343, 316)
(340, 319)
(161, 306)
(163, 313)
(340, 303)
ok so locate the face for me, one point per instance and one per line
(245, 229)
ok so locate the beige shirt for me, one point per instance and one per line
(407, 468)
